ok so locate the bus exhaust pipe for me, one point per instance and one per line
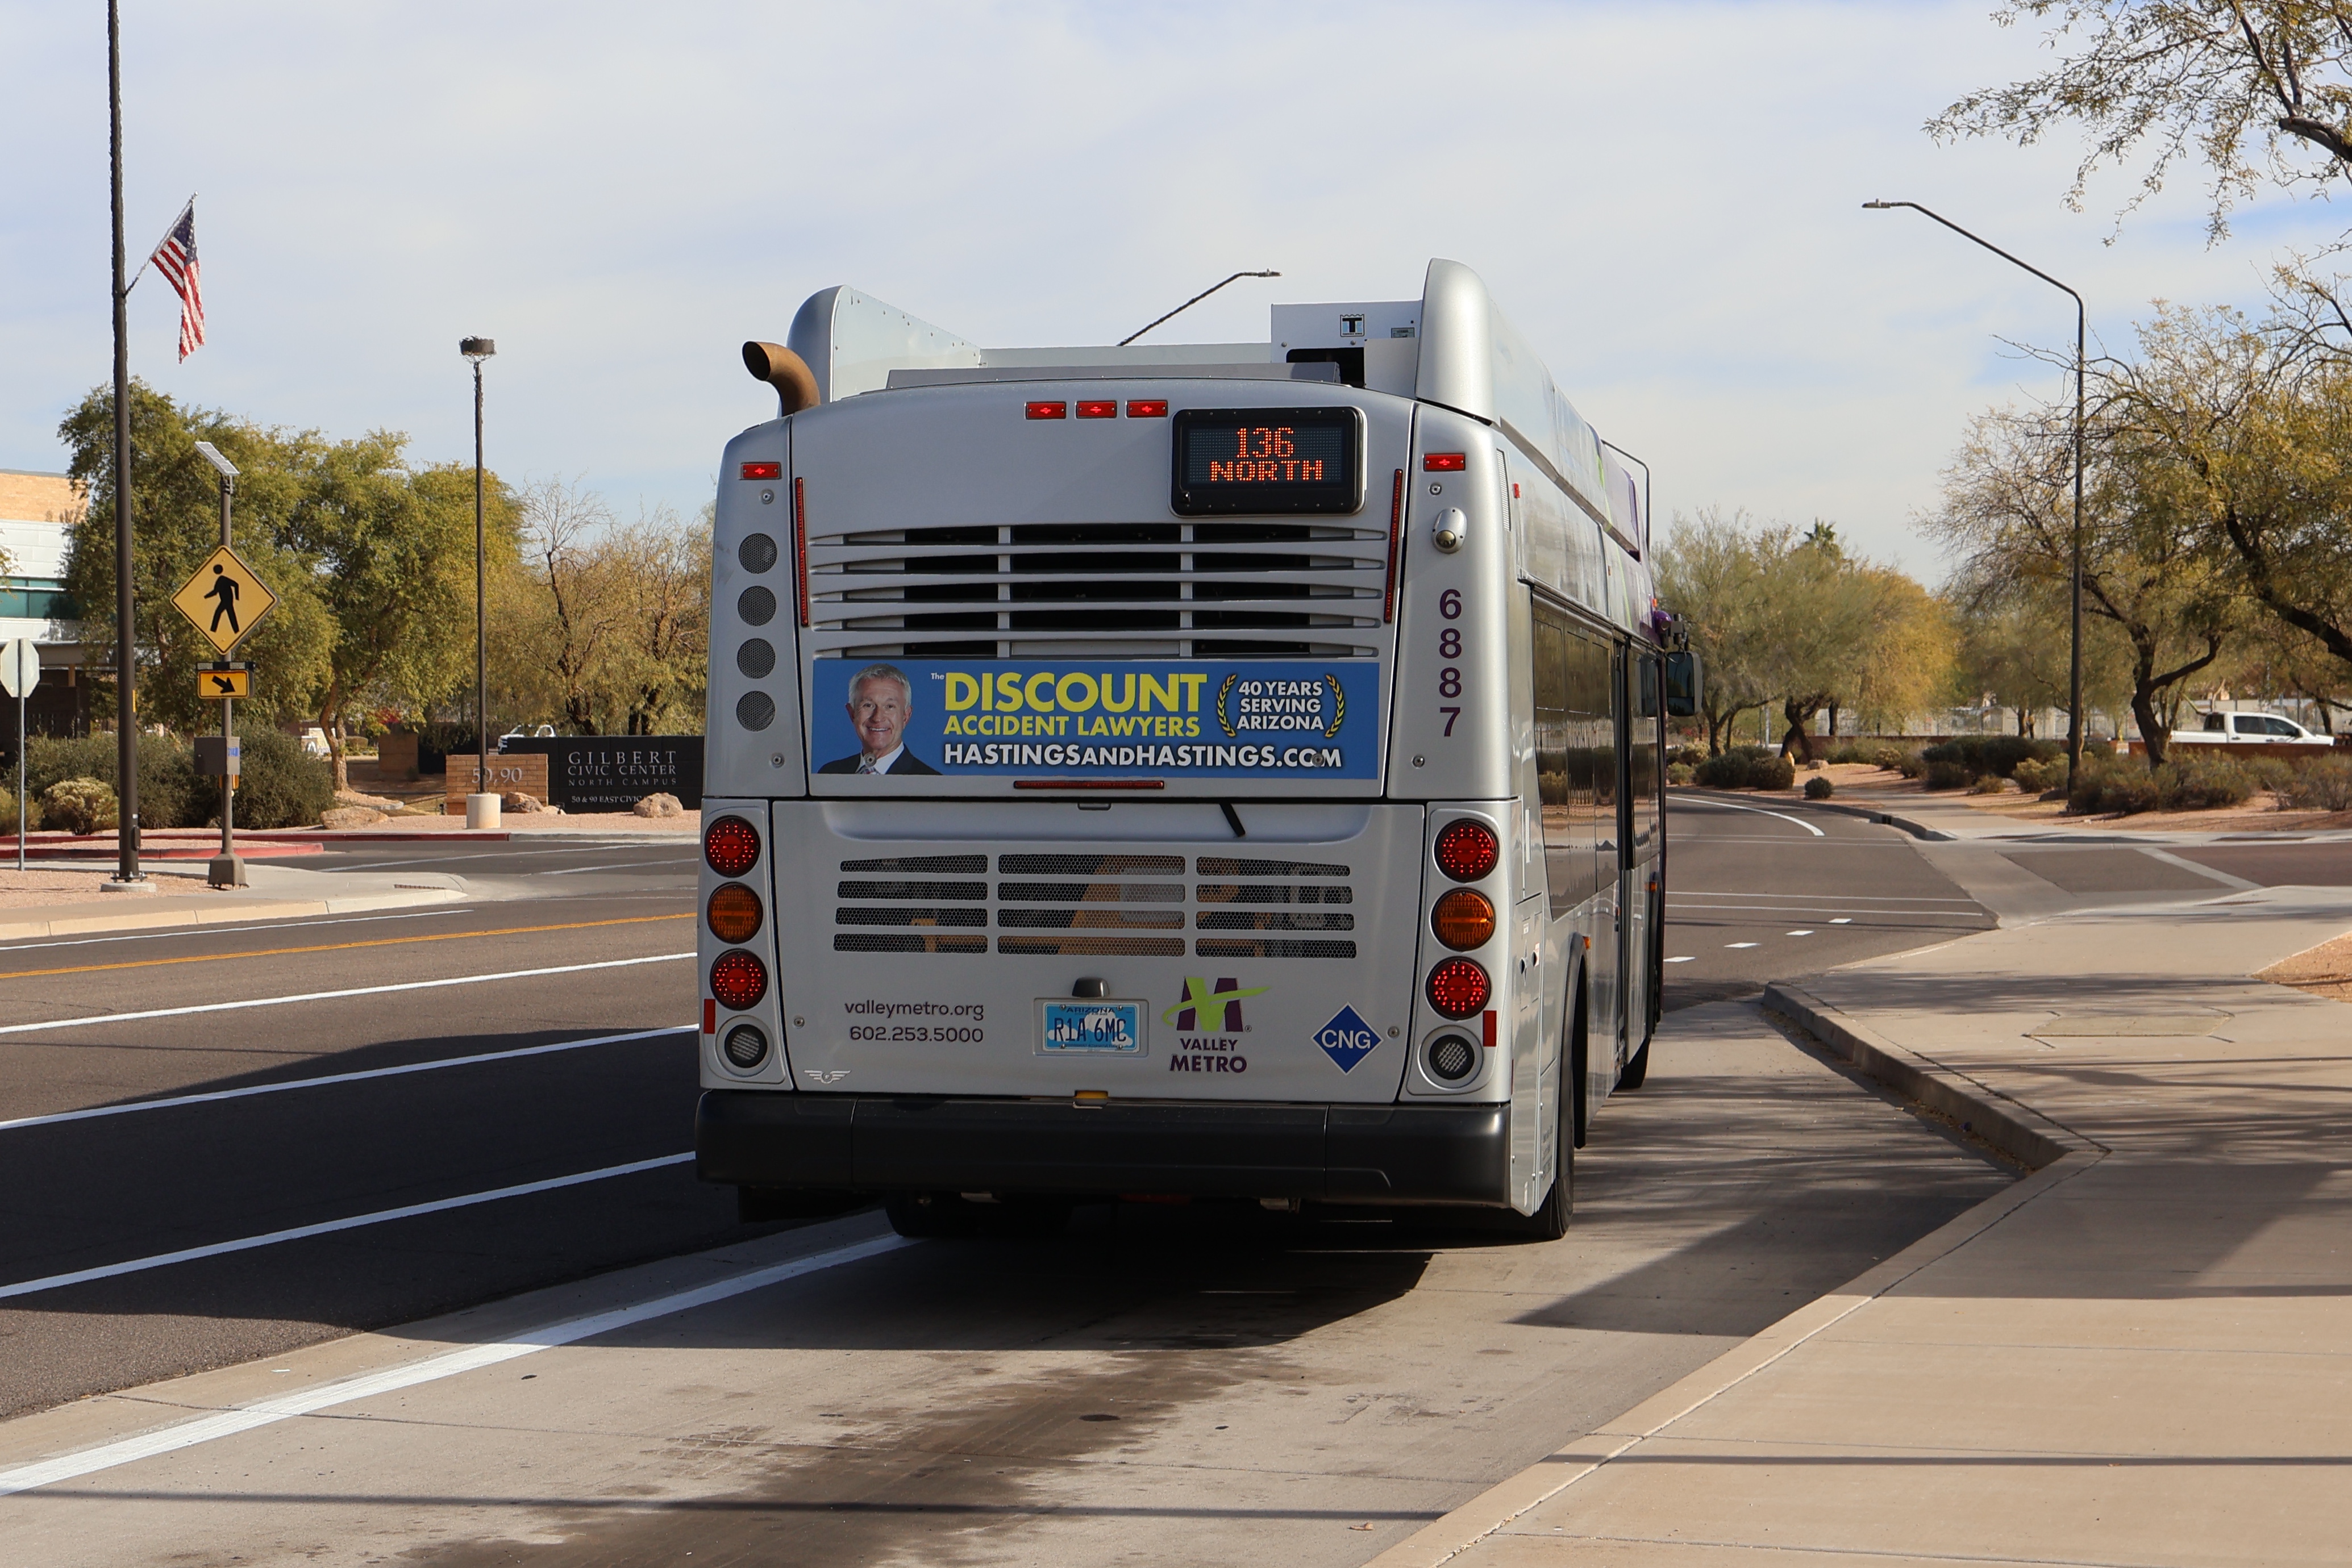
(795, 382)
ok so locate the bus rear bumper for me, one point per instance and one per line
(1337, 1154)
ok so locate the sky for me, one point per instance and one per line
(1665, 198)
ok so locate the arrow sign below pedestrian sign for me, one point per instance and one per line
(216, 681)
(224, 600)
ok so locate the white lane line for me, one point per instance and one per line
(332, 996)
(1735, 806)
(392, 1380)
(1797, 933)
(621, 865)
(328, 1226)
(1683, 960)
(232, 930)
(1739, 944)
(1842, 920)
(95, 1111)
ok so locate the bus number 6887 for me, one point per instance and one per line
(1449, 647)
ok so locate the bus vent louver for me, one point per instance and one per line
(1062, 904)
(1205, 590)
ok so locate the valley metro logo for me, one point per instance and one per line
(1207, 1011)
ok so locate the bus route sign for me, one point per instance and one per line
(1196, 718)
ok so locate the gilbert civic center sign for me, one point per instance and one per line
(611, 772)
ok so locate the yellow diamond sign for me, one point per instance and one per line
(224, 600)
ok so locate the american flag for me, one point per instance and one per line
(175, 258)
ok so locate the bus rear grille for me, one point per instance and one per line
(1111, 590)
(1043, 904)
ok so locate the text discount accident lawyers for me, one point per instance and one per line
(1199, 717)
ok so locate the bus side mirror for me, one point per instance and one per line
(1682, 684)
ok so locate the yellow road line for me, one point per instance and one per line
(338, 946)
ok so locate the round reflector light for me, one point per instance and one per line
(746, 1047)
(1457, 987)
(734, 913)
(732, 845)
(1463, 919)
(1451, 1058)
(1467, 849)
(738, 981)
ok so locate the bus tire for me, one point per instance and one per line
(1636, 1072)
(919, 1215)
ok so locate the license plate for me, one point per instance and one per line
(1090, 1027)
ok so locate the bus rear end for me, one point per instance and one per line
(1113, 790)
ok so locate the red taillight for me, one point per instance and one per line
(763, 470)
(738, 981)
(1049, 410)
(1090, 408)
(1467, 849)
(1147, 408)
(732, 845)
(1445, 462)
(1457, 987)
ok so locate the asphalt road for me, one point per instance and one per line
(1267, 1386)
(1759, 892)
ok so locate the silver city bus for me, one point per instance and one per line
(1216, 770)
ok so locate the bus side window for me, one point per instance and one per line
(1552, 780)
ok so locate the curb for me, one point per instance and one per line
(217, 914)
(2052, 1153)
(2024, 1134)
(1867, 813)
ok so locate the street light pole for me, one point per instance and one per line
(127, 874)
(2075, 638)
(482, 805)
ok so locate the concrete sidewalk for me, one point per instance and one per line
(2140, 1353)
(276, 892)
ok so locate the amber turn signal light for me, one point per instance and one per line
(1463, 919)
(734, 913)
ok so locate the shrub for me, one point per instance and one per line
(2195, 783)
(9, 812)
(1945, 774)
(1988, 784)
(1747, 768)
(2034, 777)
(1911, 765)
(79, 805)
(1819, 788)
(170, 795)
(1680, 773)
(279, 787)
(2102, 749)
(1997, 755)
(2324, 786)
(2120, 785)
(1890, 758)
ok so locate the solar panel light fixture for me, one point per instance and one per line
(477, 348)
(210, 453)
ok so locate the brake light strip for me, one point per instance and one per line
(1396, 529)
(800, 544)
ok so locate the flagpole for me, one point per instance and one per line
(127, 874)
(159, 243)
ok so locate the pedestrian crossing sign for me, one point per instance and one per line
(224, 600)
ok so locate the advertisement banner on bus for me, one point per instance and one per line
(1197, 718)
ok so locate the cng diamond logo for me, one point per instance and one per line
(1346, 1038)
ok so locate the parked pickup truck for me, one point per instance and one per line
(2250, 729)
